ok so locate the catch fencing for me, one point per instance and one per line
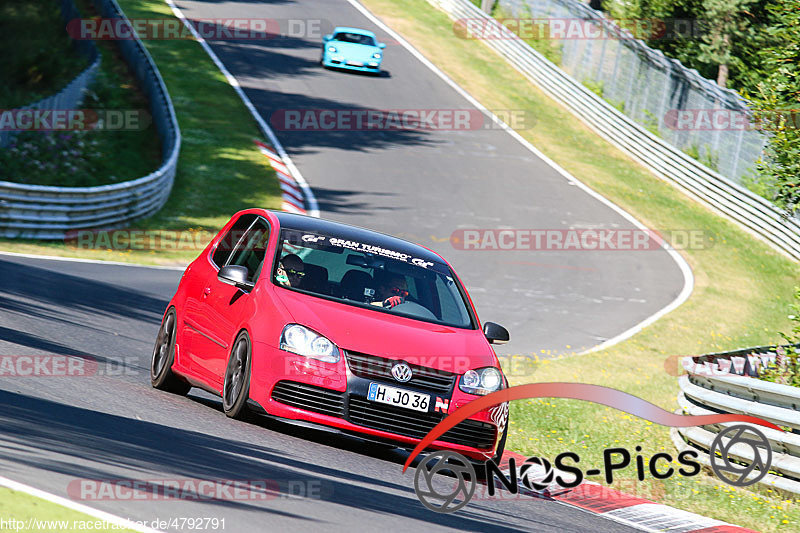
(665, 160)
(648, 86)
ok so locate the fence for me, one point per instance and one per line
(727, 383)
(751, 211)
(649, 85)
(45, 212)
(71, 96)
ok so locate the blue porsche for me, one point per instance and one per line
(352, 49)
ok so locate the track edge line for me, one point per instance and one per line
(79, 507)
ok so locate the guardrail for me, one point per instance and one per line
(727, 382)
(71, 95)
(752, 212)
(46, 212)
(648, 86)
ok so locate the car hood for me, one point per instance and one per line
(391, 336)
(354, 51)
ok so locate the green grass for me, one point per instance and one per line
(741, 296)
(138, 152)
(532, 31)
(220, 171)
(38, 59)
(45, 515)
(39, 157)
(742, 288)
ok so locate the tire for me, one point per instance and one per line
(501, 445)
(161, 375)
(236, 388)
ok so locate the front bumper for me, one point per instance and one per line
(342, 63)
(297, 388)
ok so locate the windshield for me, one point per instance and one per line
(356, 38)
(370, 276)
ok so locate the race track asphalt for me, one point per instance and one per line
(424, 185)
(55, 431)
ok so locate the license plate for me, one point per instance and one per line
(355, 63)
(399, 397)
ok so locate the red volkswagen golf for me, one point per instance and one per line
(306, 319)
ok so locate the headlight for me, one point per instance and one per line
(481, 381)
(376, 55)
(332, 49)
(302, 341)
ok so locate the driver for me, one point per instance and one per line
(392, 291)
(290, 271)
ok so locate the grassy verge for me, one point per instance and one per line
(220, 171)
(742, 289)
(93, 157)
(42, 515)
(38, 58)
(534, 33)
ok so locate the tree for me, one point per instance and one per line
(777, 96)
(596, 4)
(753, 46)
(727, 21)
(689, 26)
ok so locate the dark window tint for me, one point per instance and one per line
(356, 38)
(365, 274)
(251, 249)
(231, 239)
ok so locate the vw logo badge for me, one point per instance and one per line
(401, 372)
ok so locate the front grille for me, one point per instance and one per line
(310, 398)
(379, 416)
(417, 425)
(374, 367)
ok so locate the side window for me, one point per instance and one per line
(449, 300)
(251, 249)
(230, 239)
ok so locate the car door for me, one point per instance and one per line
(200, 337)
(227, 306)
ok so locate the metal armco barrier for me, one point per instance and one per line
(752, 212)
(71, 95)
(726, 383)
(647, 85)
(46, 212)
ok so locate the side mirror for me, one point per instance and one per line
(381, 45)
(327, 38)
(234, 275)
(495, 333)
